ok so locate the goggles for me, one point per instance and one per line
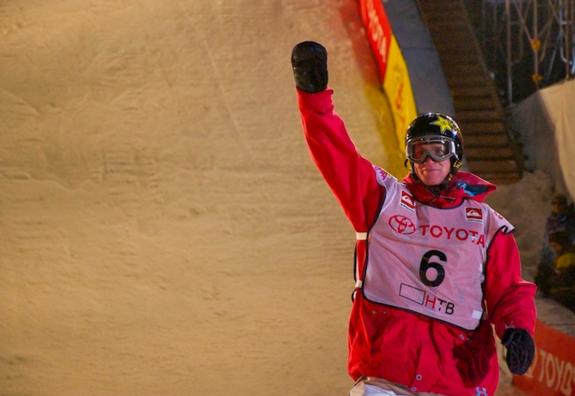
(438, 148)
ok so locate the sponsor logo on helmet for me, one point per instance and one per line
(443, 123)
(405, 226)
(474, 214)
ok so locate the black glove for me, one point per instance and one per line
(520, 350)
(309, 63)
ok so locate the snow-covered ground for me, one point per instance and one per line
(526, 205)
(164, 231)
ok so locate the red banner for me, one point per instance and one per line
(378, 31)
(391, 64)
(553, 371)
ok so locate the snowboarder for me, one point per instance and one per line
(435, 266)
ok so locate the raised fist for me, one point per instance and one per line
(309, 63)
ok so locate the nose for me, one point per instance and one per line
(428, 159)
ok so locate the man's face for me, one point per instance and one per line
(430, 172)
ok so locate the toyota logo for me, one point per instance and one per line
(401, 224)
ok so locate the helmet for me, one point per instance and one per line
(434, 128)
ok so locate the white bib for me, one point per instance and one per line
(430, 260)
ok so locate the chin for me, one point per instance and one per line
(431, 177)
(432, 181)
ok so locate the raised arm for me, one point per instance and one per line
(351, 177)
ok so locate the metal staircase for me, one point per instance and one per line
(489, 149)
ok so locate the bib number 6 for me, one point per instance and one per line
(436, 267)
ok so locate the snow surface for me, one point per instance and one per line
(164, 230)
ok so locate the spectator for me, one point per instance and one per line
(562, 218)
(561, 283)
(561, 249)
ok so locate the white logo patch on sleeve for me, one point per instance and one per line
(474, 214)
(407, 201)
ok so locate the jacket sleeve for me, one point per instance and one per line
(351, 177)
(510, 299)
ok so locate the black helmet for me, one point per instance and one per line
(435, 128)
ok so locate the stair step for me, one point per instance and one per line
(438, 4)
(469, 66)
(463, 50)
(452, 69)
(485, 140)
(478, 115)
(492, 166)
(467, 92)
(459, 56)
(447, 45)
(440, 24)
(460, 81)
(455, 20)
(428, 4)
(479, 153)
(448, 30)
(445, 15)
(499, 178)
(469, 58)
(481, 127)
(480, 103)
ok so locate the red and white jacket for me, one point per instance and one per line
(395, 341)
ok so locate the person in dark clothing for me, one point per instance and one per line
(558, 281)
(560, 226)
(561, 218)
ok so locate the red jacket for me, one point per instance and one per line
(423, 354)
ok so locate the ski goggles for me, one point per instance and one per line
(438, 148)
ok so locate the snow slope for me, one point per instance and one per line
(164, 231)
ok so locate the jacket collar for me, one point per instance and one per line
(461, 186)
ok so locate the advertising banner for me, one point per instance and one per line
(378, 31)
(391, 64)
(397, 86)
(553, 371)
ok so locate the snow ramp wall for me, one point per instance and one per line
(164, 231)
